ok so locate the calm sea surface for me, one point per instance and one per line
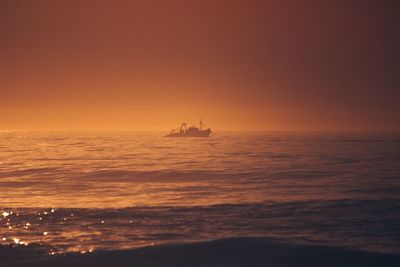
(83, 192)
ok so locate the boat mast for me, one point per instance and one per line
(183, 128)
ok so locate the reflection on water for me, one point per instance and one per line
(368, 224)
(79, 192)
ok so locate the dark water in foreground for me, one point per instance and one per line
(84, 192)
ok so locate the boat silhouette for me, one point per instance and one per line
(192, 131)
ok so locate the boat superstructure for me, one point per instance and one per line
(192, 131)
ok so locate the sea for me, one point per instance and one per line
(82, 192)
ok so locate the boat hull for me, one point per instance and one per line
(202, 133)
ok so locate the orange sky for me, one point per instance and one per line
(240, 65)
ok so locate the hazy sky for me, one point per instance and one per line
(240, 65)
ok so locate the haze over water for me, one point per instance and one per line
(79, 192)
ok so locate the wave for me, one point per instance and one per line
(239, 251)
(368, 224)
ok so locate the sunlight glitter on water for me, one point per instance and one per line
(124, 170)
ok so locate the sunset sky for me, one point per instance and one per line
(239, 65)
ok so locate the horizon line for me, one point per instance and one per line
(213, 131)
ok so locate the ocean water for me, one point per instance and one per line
(79, 192)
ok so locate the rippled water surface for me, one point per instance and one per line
(79, 192)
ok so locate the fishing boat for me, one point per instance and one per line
(192, 131)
